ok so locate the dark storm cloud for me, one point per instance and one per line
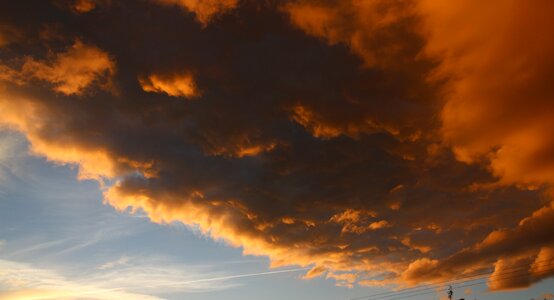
(308, 131)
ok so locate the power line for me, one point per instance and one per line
(460, 286)
(500, 276)
(453, 281)
(482, 274)
(444, 290)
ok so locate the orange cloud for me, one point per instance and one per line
(498, 97)
(373, 168)
(422, 248)
(254, 150)
(96, 162)
(359, 24)
(307, 119)
(504, 277)
(379, 225)
(343, 279)
(315, 272)
(351, 215)
(201, 214)
(419, 269)
(321, 128)
(74, 70)
(491, 79)
(525, 248)
(9, 34)
(239, 146)
(205, 10)
(173, 85)
(84, 6)
(521, 271)
(7, 74)
(358, 221)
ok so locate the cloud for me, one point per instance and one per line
(9, 34)
(343, 279)
(205, 10)
(374, 142)
(370, 28)
(10, 75)
(314, 272)
(173, 85)
(138, 278)
(111, 264)
(83, 6)
(496, 113)
(498, 98)
(124, 278)
(526, 249)
(72, 71)
(22, 281)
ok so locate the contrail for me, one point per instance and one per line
(198, 280)
(239, 276)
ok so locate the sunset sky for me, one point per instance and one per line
(276, 149)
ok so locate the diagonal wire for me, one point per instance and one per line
(434, 285)
(462, 286)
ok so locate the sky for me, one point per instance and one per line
(276, 149)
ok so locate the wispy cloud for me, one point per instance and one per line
(223, 278)
(118, 262)
(40, 246)
(23, 281)
(124, 278)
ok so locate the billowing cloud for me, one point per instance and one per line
(72, 71)
(498, 98)
(372, 29)
(377, 142)
(527, 248)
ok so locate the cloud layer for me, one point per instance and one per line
(380, 142)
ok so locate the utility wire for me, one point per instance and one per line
(500, 277)
(453, 281)
(460, 286)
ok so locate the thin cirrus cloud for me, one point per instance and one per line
(396, 140)
(129, 280)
